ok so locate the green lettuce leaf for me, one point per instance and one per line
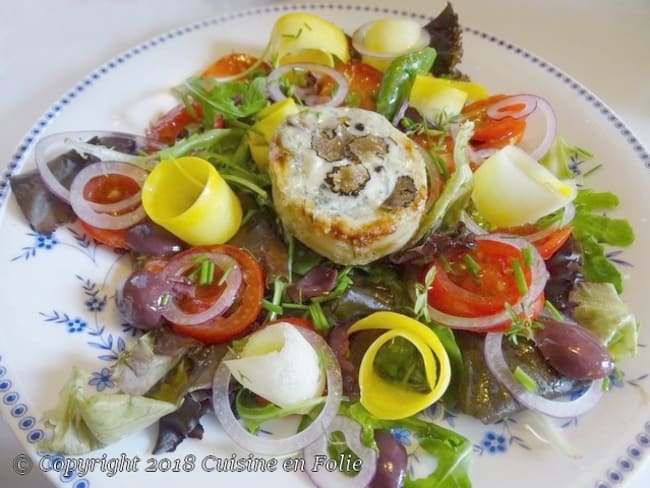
(82, 423)
(599, 308)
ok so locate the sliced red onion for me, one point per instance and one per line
(324, 478)
(400, 113)
(359, 37)
(337, 99)
(539, 276)
(53, 145)
(497, 365)
(175, 271)
(567, 218)
(503, 108)
(298, 441)
(102, 215)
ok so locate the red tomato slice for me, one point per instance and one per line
(244, 311)
(364, 83)
(491, 133)
(550, 244)
(110, 188)
(532, 313)
(458, 291)
(231, 65)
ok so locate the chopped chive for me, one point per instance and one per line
(272, 307)
(527, 254)
(519, 276)
(295, 306)
(472, 265)
(206, 273)
(164, 299)
(445, 264)
(583, 152)
(592, 170)
(225, 274)
(318, 317)
(440, 165)
(606, 383)
(524, 378)
(278, 291)
(553, 311)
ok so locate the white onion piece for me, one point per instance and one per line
(337, 99)
(359, 37)
(497, 365)
(324, 478)
(539, 276)
(567, 218)
(54, 145)
(499, 110)
(178, 266)
(298, 441)
(100, 215)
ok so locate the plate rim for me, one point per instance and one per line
(630, 461)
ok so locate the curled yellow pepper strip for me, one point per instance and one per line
(188, 197)
(262, 132)
(297, 34)
(387, 400)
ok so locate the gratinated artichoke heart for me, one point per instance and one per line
(347, 183)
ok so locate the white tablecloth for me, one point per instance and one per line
(46, 47)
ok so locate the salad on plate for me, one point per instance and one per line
(345, 232)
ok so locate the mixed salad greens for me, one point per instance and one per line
(491, 291)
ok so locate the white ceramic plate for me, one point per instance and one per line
(57, 294)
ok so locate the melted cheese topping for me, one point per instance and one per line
(347, 183)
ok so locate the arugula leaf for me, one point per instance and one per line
(451, 450)
(232, 99)
(253, 415)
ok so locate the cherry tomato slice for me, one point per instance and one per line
(244, 311)
(457, 290)
(231, 64)
(492, 133)
(364, 83)
(110, 188)
(550, 244)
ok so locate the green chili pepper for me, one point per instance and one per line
(399, 78)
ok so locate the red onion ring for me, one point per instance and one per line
(567, 218)
(100, 215)
(337, 99)
(497, 365)
(174, 271)
(359, 37)
(499, 110)
(298, 441)
(539, 276)
(324, 478)
(56, 144)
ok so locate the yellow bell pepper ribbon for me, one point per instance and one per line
(296, 33)
(188, 197)
(387, 400)
(426, 85)
(268, 120)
